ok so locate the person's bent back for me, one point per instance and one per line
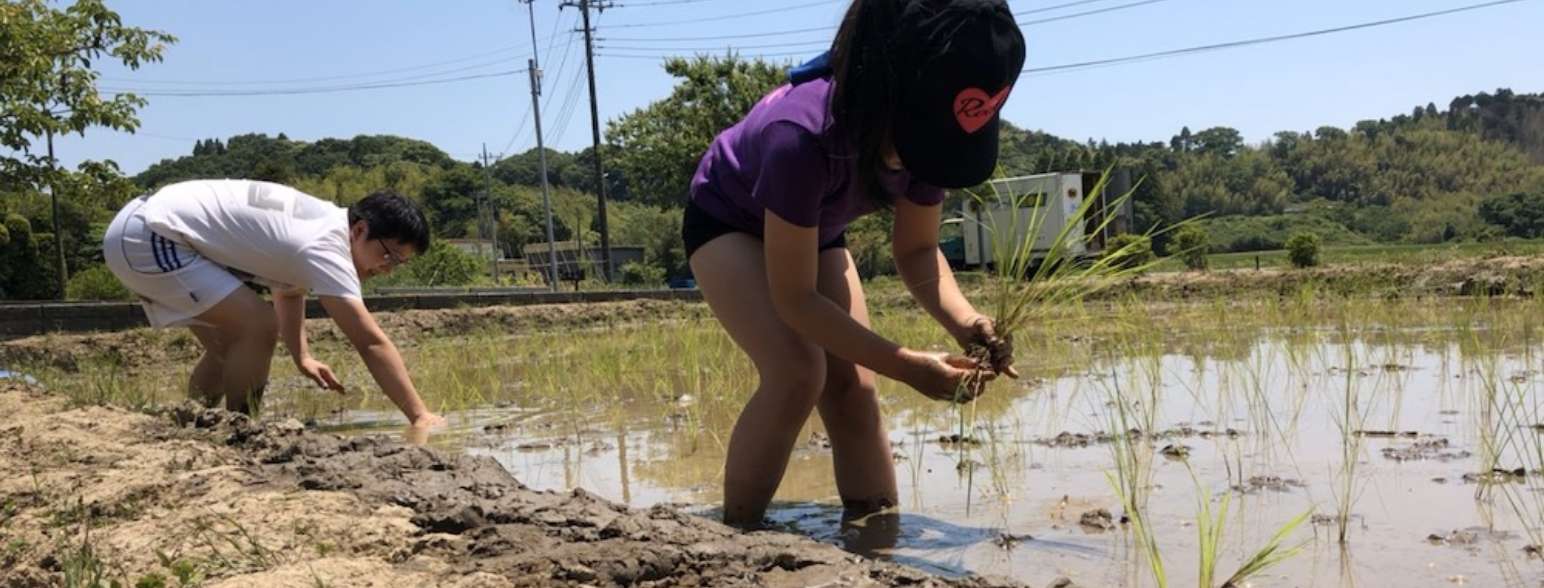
(187, 249)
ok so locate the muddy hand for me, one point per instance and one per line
(321, 374)
(942, 376)
(999, 350)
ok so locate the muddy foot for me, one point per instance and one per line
(1097, 521)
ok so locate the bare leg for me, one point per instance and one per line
(249, 332)
(849, 405)
(793, 373)
(208, 375)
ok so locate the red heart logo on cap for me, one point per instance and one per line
(973, 108)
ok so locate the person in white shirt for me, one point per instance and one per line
(187, 249)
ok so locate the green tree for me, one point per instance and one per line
(1519, 214)
(525, 168)
(656, 229)
(1190, 243)
(1303, 250)
(24, 272)
(452, 200)
(1129, 250)
(1219, 141)
(48, 87)
(442, 265)
(96, 283)
(868, 239)
(658, 147)
(641, 274)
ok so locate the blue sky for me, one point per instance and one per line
(287, 44)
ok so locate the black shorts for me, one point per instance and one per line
(698, 228)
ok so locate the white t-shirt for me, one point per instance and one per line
(278, 236)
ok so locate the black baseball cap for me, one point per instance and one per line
(958, 60)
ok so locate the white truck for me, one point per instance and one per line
(966, 239)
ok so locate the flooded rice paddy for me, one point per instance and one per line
(1404, 434)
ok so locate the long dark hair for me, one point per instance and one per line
(864, 89)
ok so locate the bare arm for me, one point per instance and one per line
(290, 306)
(914, 243)
(793, 267)
(379, 354)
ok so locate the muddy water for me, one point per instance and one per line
(1259, 419)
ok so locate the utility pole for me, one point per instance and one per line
(600, 175)
(541, 150)
(493, 211)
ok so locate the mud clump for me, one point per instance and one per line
(1387, 434)
(995, 352)
(1098, 521)
(309, 508)
(1257, 484)
(1435, 448)
(1008, 541)
(1470, 538)
(1070, 440)
(1497, 476)
(954, 439)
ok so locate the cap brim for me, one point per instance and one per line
(945, 157)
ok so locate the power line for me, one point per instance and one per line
(1030, 23)
(410, 82)
(519, 130)
(1157, 54)
(570, 106)
(832, 28)
(641, 4)
(319, 90)
(568, 48)
(1260, 40)
(664, 57)
(566, 106)
(552, 38)
(704, 48)
(412, 78)
(550, 96)
(727, 16)
(1057, 7)
(319, 78)
(717, 37)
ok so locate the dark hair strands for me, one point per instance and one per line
(392, 216)
(864, 90)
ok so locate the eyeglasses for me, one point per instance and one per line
(392, 258)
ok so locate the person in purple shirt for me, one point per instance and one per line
(903, 106)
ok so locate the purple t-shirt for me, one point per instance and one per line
(780, 158)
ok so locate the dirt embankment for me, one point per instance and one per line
(1496, 276)
(148, 347)
(98, 493)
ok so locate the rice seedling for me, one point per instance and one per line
(1510, 440)
(1350, 418)
(1132, 477)
(1210, 529)
(1026, 284)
